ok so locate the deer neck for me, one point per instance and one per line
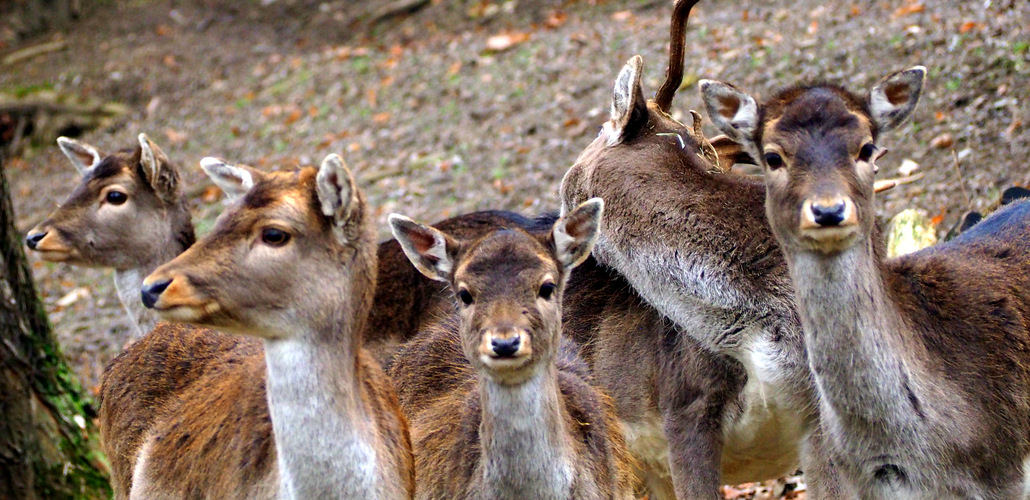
(523, 436)
(320, 418)
(861, 352)
(129, 280)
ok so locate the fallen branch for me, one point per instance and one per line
(33, 51)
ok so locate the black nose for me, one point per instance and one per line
(505, 348)
(150, 293)
(33, 239)
(828, 215)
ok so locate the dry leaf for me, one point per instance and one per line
(943, 141)
(293, 116)
(505, 41)
(162, 30)
(175, 137)
(381, 118)
(622, 15)
(969, 26)
(211, 194)
(555, 19)
(454, 68)
(909, 9)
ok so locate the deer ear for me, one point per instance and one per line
(629, 108)
(233, 180)
(157, 170)
(894, 98)
(83, 156)
(576, 232)
(337, 191)
(732, 110)
(431, 251)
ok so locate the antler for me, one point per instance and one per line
(674, 73)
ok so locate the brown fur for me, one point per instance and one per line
(441, 377)
(221, 419)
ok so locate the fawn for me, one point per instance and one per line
(501, 404)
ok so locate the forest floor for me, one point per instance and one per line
(474, 104)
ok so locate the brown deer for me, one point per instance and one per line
(292, 262)
(723, 394)
(128, 213)
(922, 362)
(502, 407)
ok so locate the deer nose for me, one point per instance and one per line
(33, 239)
(505, 347)
(827, 212)
(150, 293)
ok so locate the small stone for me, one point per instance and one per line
(907, 167)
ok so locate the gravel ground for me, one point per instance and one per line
(434, 123)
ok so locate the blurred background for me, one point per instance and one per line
(446, 106)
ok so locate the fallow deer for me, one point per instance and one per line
(128, 213)
(292, 262)
(501, 404)
(922, 362)
(724, 394)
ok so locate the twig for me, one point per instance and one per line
(33, 51)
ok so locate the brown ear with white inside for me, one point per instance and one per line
(894, 98)
(575, 234)
(431, 251)
(629, 108)
(83, 156)
(733, 111)
(338, 195)
(157, 170)
(233, 180)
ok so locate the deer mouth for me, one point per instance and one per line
(830, 239)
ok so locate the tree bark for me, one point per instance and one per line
(48, 444)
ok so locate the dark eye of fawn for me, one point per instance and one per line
(774, 160)
(546, 290)
(866, 153)
(465, 296)
(116, 197)
(274, 237)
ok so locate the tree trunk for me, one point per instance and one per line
(48, 444)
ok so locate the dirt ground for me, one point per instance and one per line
(435, 123)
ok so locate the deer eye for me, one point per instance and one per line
(546, 290)
(465, 296)
(116, 197)
(774, 160)
(867, 151)
(274, 237)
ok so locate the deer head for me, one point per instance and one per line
(292, 252)
(127, 208)
(509, 285)
(818, 146)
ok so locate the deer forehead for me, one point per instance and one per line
(505, 260)
(817, 117)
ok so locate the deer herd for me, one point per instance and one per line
(679, 326)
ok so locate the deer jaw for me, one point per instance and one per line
(128, 213)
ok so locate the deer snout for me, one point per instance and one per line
(152, 292)
(33, 238)
(505, 344)
(506, 348)
(836, 211)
